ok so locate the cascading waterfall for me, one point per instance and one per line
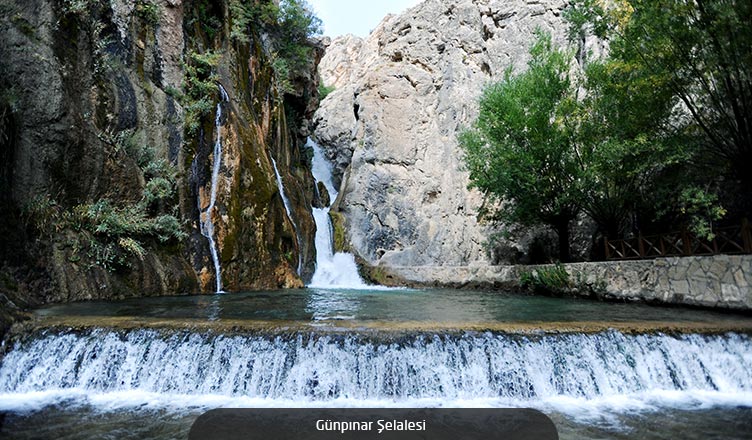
(333, 270)
(207, 224)
(288, 209)
(506, 369)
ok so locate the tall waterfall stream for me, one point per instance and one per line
(333, 269)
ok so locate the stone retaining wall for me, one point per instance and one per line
(723, 281)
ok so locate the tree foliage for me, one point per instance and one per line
(520, 152)
(643, 134)
(290, 22)
(625, 141)
(699, 52)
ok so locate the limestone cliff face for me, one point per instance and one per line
(93, 142)
(390, 126)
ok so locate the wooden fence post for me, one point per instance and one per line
(640, 245)
(685, 242)
(662, 246)
(605, 243)
(746, 235)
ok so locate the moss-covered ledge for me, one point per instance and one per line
(720, 281)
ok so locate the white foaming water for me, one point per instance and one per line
(577, 374)
(288, 210)
(207, 223)
(333, 270)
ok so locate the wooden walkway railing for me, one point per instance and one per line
(728, 240)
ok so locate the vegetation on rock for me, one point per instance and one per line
(109, 234)
(291, 23)
(148, 10)
(200, 87)
(554, 279)
(324, 90)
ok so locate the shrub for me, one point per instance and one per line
(324, 91)
(199, 87)
(117, 233)
(702, 209)
(282, 74)
(149, 11)
(291, 24)
(43, 214)
(553, 279)
(158, 189)
(112, 234)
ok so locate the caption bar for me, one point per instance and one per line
(382, 424)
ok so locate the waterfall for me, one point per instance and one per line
(288, 210)
(333, 270)
(572, 370)
(207, 224)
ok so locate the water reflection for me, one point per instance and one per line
(325, 304)
(209, 307)
(416, 305)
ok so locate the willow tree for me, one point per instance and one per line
(520, 151)
(559, 139)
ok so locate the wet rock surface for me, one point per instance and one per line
(86, 93)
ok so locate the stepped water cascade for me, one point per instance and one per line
(562, 371)
(100, 365)
(207, 223)
(333, 270)
(288, 209)
(111, 326)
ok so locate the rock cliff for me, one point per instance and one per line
(107, 127)
(390, 126)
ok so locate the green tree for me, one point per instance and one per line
(556, 140)
(702, 53)
(520, 152)
(625, 140)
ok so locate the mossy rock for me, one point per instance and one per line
(340, 233)
(380, 276)
(324, 197)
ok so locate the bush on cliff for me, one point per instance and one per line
(109, 235)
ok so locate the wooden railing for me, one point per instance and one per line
(728, 240)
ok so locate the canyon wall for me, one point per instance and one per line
(400, 98)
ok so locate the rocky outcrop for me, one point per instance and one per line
(88, 98)
(102, 182)
(390, 126)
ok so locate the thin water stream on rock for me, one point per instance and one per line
(207, 216)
